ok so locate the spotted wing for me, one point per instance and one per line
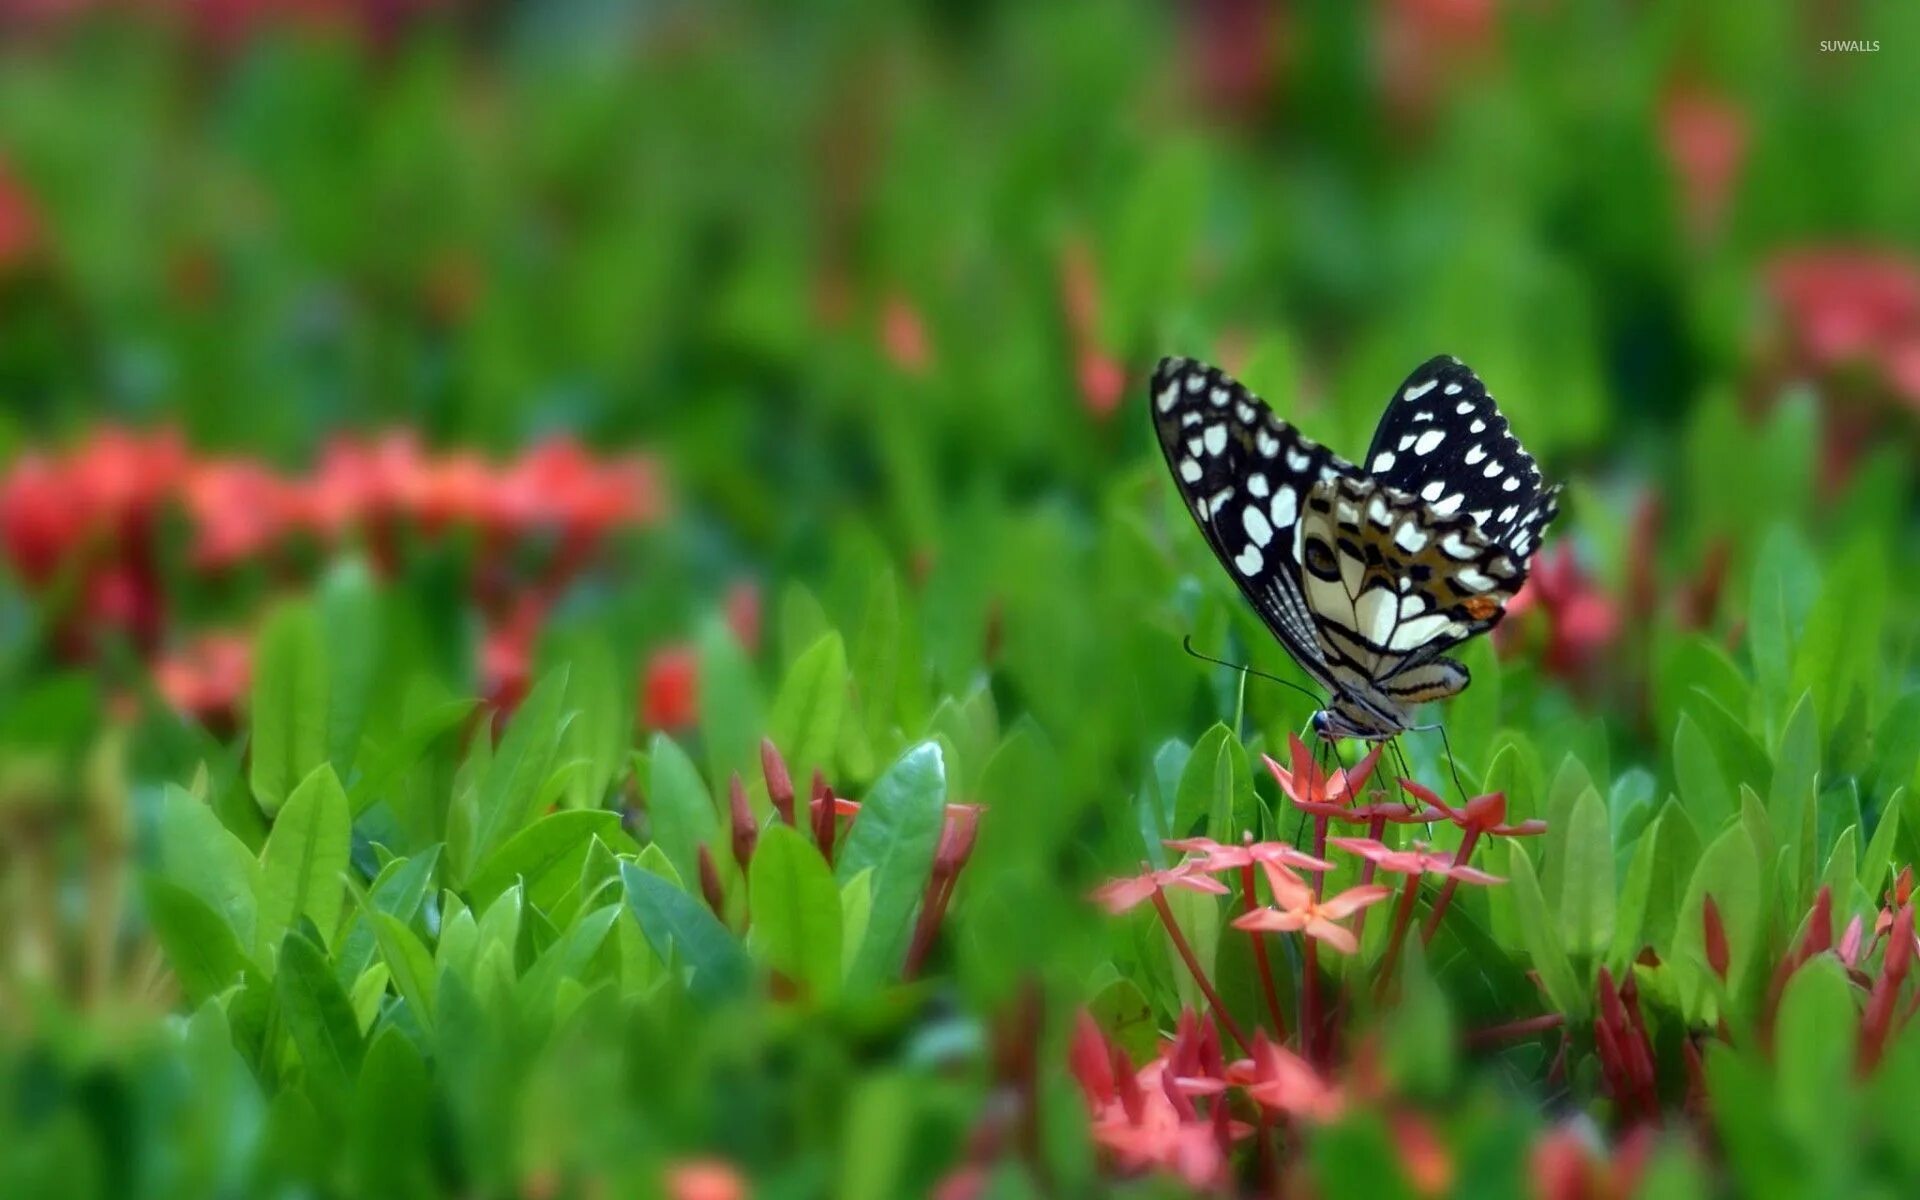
(1244, 474)
(1444, 440)
(1392, 584)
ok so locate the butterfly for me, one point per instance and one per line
(1367, 575)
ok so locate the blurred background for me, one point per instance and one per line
(657, 339)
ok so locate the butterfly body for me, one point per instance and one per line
(1366, 575)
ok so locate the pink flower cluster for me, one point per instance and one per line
(84, 530)
(1852, 306)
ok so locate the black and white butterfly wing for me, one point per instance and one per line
(1392, 585)
(1245, 475)
(1443, 439)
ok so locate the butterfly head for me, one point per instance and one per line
(1350, 717)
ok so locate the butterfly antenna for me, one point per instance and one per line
(1186, 643)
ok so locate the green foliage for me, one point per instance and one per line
(441, 904)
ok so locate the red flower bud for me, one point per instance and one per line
(1716, 938)
(746, 834)
(773, 769)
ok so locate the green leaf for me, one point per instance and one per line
(200, 946)
(320, 1019)
(304, 860)
(597, 738)
(895, 835)
(856, 910)
(547, 855)
(521, 767)
(289, 704)
(1879, 857)
(399, 890)
(1586, 889)
(796, 910)
(390, 1131)
(1124, 1014)
(675, 921)
(1216, 788)
(1796, 769)
(1815, 1086)
(350, 623)
(388, 764)
(1729, 871)
(1630, 929)
(876, 660)
(680, 814)
(730, 703)
(812, 703)
(197, 852)
(1703, 786)
(1542, 940)
(412, 967)
(1777, 606)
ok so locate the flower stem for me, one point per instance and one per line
(1515, 1029)
(1402, 917)
(1310, 1000)
(1260, 957)
(1199, 976)
(1446, 890)
(1375, 828)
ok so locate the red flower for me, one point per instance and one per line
(207, 678)
(1581, 621)
(1120, 895)
(1315, 791)
(742, 608)
(1483, 814)
(1219, 856)
(1705, 138)
(669, 692)
(705, 1179)
(1281, 1080)
(1297, 911)
(904, 336)
(1414, 860)
(239, 510)
(40, 522)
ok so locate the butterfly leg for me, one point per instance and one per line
(1452, 767)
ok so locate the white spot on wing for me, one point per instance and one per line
(1464, 407)
(1298, 459)
(1453, 389)
(1493, 468)
(1450, 505)
(1256, 525)
(1432, 491)
(1219, 397)
(1256, 485)
(1475, 455)
(1266, 443)
(1377, 512)
(1250, 561)
(1428, 440)
(1167, 396)
(1473, 578)
(1512, 484)
(1383, 461)
(1285, 507)
(1477, 426)
(1414, 393)
(1216, 436)
(1195, 382)
(1410, 537)
(1189, 470)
